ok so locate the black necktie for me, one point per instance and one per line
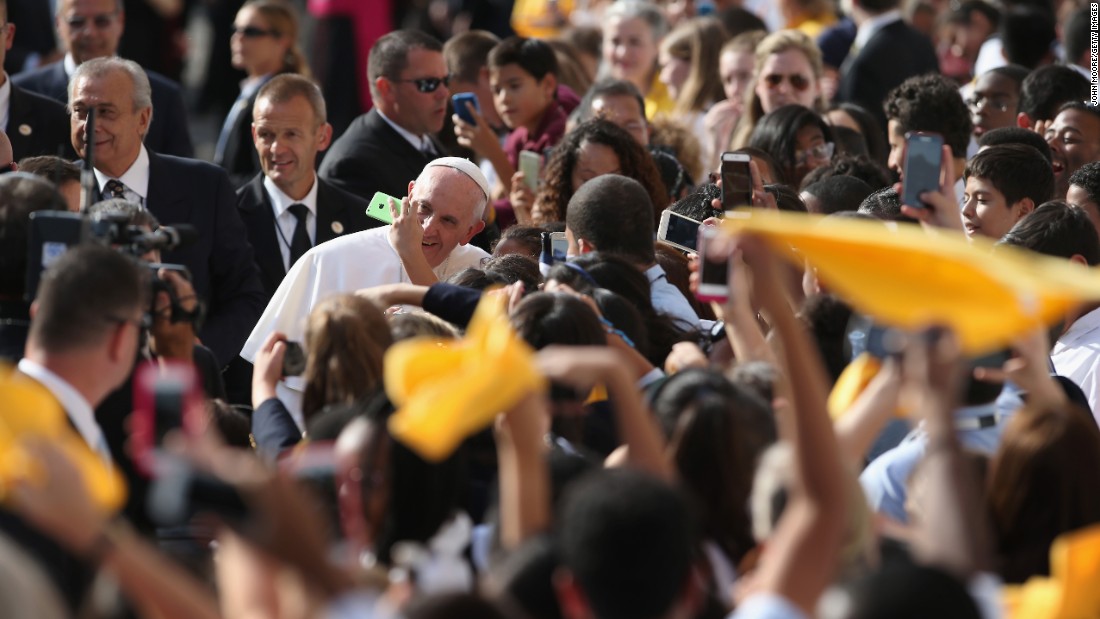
(299, 243)
(115, 189)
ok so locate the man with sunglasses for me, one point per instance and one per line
(92, 29)
(886, 52)
(387, 147)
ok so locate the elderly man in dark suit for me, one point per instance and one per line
(287, 209)
(390, 145)
(92, 29)
(886, 52)
(176, 191)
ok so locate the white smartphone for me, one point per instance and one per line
(736, 181)
(713, 274)
(678, 231)
(529, 164)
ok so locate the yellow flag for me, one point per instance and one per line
(447, 391)
(910, 279)
(27, 410)
(1071, 592)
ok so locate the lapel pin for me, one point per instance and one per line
(337, 227)
(25, 129)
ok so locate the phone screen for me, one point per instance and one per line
(529, 164)
(682, 231)
(713, 274)
(559, 245)
(923, 155)
(736, 184)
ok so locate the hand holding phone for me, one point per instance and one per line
(923, 160)
(529, 163)
(379, 207)
(737, 181)
(167, 397)
(459, 103)
(678, 231)
(294, 359)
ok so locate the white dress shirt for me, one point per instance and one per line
(136, 179)
(1077, 353)
(5, 103)
(78, 409)
(286, 222)
(419, 142)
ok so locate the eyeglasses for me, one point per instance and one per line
(101, 21)
(821, 152)
(798, 82)
(252, 32)
(427, 84)
(977, 102)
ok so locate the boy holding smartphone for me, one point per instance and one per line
(523, 75)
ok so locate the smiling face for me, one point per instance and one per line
(90, 28)
(288, 136)
(630, 51)
(119, 127)
(1074, 139)
(446, 202)
(986, 212)
(593, 160)
(257, 48)
(786, 77)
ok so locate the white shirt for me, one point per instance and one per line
(419, 142)
(668, 300)
(285, 221)
(342, 265)
(868, 28)
(78, 409)
(5, 103)
(70, 65)
(1077, 353)
(136, 179)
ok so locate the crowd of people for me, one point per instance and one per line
(436, 360)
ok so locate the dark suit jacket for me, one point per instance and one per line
(274, 429)
(223, 271)
(34, 32)
(240, 159)
(333, 205)
(168, 132)
(371, 156)
(37, 126)
(894, 54)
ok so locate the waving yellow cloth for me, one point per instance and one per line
(446, 391)
(1072, 591)
(910, 279)
(27, 410)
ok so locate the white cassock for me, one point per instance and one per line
(344, 264)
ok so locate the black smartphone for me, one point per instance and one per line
(294, 361)
(736, 181)
(923, 158)
(459, 102)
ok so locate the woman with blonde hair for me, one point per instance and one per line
(632, 34)
(788, 70)
(689, 68)
(264, 44)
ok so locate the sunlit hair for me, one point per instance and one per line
(283, 20)
(346, 337)
(699, 42)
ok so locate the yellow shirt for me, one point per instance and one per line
(658, 101)
(813, 26)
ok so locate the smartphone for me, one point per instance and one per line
(294, 360)
(713, 274)
(678, 231)
(167, 396)
(529, 164)
(459, 102)
(379, 207)
(559, 246)
(923, 156)
(736, 181)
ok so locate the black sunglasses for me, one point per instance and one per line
(427, 84)
(252, 32)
